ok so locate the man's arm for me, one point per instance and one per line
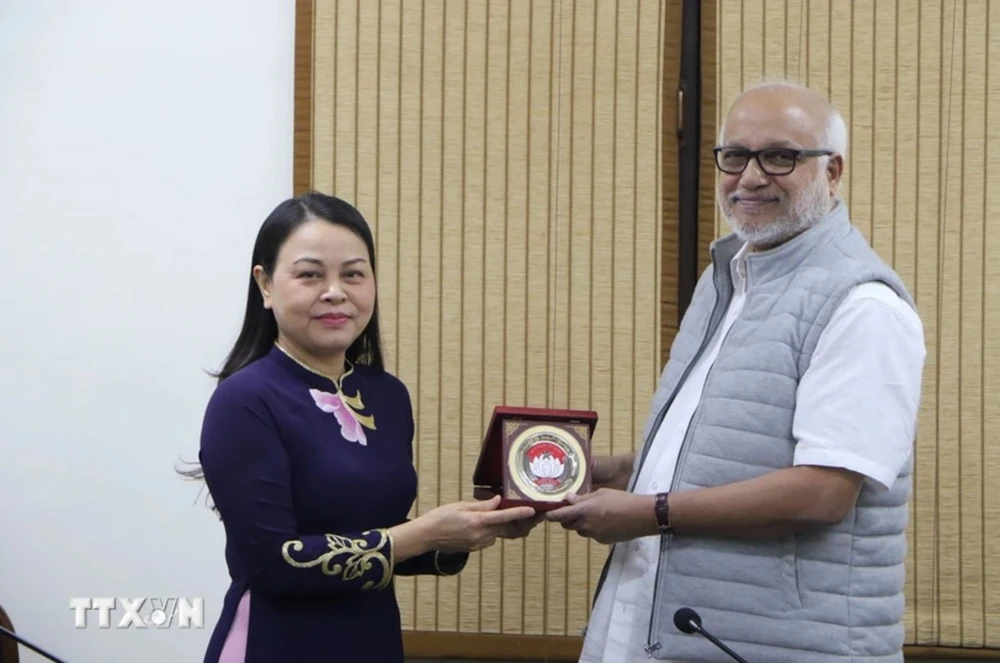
(779, 503)
(855, 419)
(613, 471)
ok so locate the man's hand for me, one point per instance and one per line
(608, 516)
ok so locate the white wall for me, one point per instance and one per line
(141, 146)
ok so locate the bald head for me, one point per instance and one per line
(790, 108)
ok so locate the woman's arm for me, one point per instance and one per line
(247, 471)
(248, 474)
(433, 563)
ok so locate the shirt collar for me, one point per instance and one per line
(738, 267)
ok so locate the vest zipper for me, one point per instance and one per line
(651, 646)
(682, 454)
(646, 444)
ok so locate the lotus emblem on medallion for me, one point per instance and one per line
(546, 462)
(547, 466)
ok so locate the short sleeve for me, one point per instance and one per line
(857, 403)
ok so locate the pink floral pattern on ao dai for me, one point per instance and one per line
(350, 427)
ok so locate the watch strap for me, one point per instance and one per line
(662, 510)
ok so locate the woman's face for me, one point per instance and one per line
(322, 291)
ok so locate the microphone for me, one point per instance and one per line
(39, 650)
(688, 621)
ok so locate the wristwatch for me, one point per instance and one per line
(663, 514)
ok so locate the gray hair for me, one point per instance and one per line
(835, 133)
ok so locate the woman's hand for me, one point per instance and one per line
(521, 528)
(470, 526)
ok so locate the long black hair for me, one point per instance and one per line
(260, 329)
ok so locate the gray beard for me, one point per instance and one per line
(805, 212)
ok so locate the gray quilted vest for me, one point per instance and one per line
(834, 596)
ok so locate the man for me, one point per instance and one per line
(770, 492)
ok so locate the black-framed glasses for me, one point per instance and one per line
(772, 160)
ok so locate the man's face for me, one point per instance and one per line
(767, 209)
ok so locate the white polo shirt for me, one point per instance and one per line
(868, 362)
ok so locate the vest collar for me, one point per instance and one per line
(785, 258)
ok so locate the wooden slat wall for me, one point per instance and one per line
(918, 85)
(508, 155)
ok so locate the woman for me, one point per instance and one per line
(306, 449)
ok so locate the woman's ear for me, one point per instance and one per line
(264, 284)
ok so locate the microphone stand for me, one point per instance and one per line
(15, 637)
(719, 644)
(688, 621)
